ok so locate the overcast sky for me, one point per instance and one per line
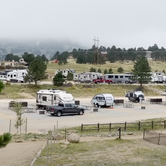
(123, 23)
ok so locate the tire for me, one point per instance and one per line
(97, 105)
(59, 113)
(81, 112)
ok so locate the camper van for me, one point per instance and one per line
(103, 100)
(16, 76)
(48, 97)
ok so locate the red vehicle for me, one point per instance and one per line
(101, 80)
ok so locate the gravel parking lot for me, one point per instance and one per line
(36, 121)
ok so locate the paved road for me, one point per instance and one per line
(38, 121)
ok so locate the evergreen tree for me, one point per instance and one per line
(141, 70)
(58, 79)
(70, 76)
(105, 71)
(99, 70)
(36, 71)
(120, 70)
(110, 71)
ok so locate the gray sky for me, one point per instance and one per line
(123, 23)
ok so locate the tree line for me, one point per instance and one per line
(96, 55)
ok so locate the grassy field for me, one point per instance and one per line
(113, 152)
(127, 66)
(16, 91)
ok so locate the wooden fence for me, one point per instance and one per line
(124, 126)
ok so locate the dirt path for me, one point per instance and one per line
(19, 154)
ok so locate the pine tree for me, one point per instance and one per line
(142, 70)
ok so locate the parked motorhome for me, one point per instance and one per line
(87, 76)
(48, 97)
(103, 100)
(65, 72)
(16, 76)
(158, 77)
(119, 78)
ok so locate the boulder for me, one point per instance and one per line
(73, 138)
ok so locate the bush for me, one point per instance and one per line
(120, 70)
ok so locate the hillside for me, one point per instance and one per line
(79, 68)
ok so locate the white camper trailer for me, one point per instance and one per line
(16, 76)
(48, 97)
(103, 100)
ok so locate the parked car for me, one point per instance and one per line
(65, 108)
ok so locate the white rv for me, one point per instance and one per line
(103, 100)
(65, 72)
(16, 76)
(86, 77)
(48, 97)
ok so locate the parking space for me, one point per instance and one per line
(118, 113)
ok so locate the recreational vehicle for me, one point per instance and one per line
(103, 100)
(65, 72)
(86, 77)
(16, 76)
(119, 78)
(49, 97)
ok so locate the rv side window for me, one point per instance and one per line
(121, 76)
(44, 98)
(116, 76)
(14, 75)
(110, 76)
(54, 97)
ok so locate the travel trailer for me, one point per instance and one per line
(16, 76)
(103, 100)
(49, 97)
(65, 72)
(86, 77)
(119, 78)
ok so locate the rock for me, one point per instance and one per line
(57, 136)
(130, 133)
(73, 138)
(42, 131)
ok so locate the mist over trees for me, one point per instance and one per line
(94, 55)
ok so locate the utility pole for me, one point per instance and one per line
(96, 54)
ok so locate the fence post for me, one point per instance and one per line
(152, 124)
(144, 133)
(159, 139)
(139, 125)
(125, 126)
(51, 147)
(65, 133)
(81, 127)
(110, 127)
(164, 124)
(119, 132)
(10, 126)
(47, 149)
(26, 126)
(98, 126)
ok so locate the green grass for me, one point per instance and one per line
(105, 153)
(81, 90)
(79, 68)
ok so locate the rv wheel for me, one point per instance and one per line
(59, 113)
